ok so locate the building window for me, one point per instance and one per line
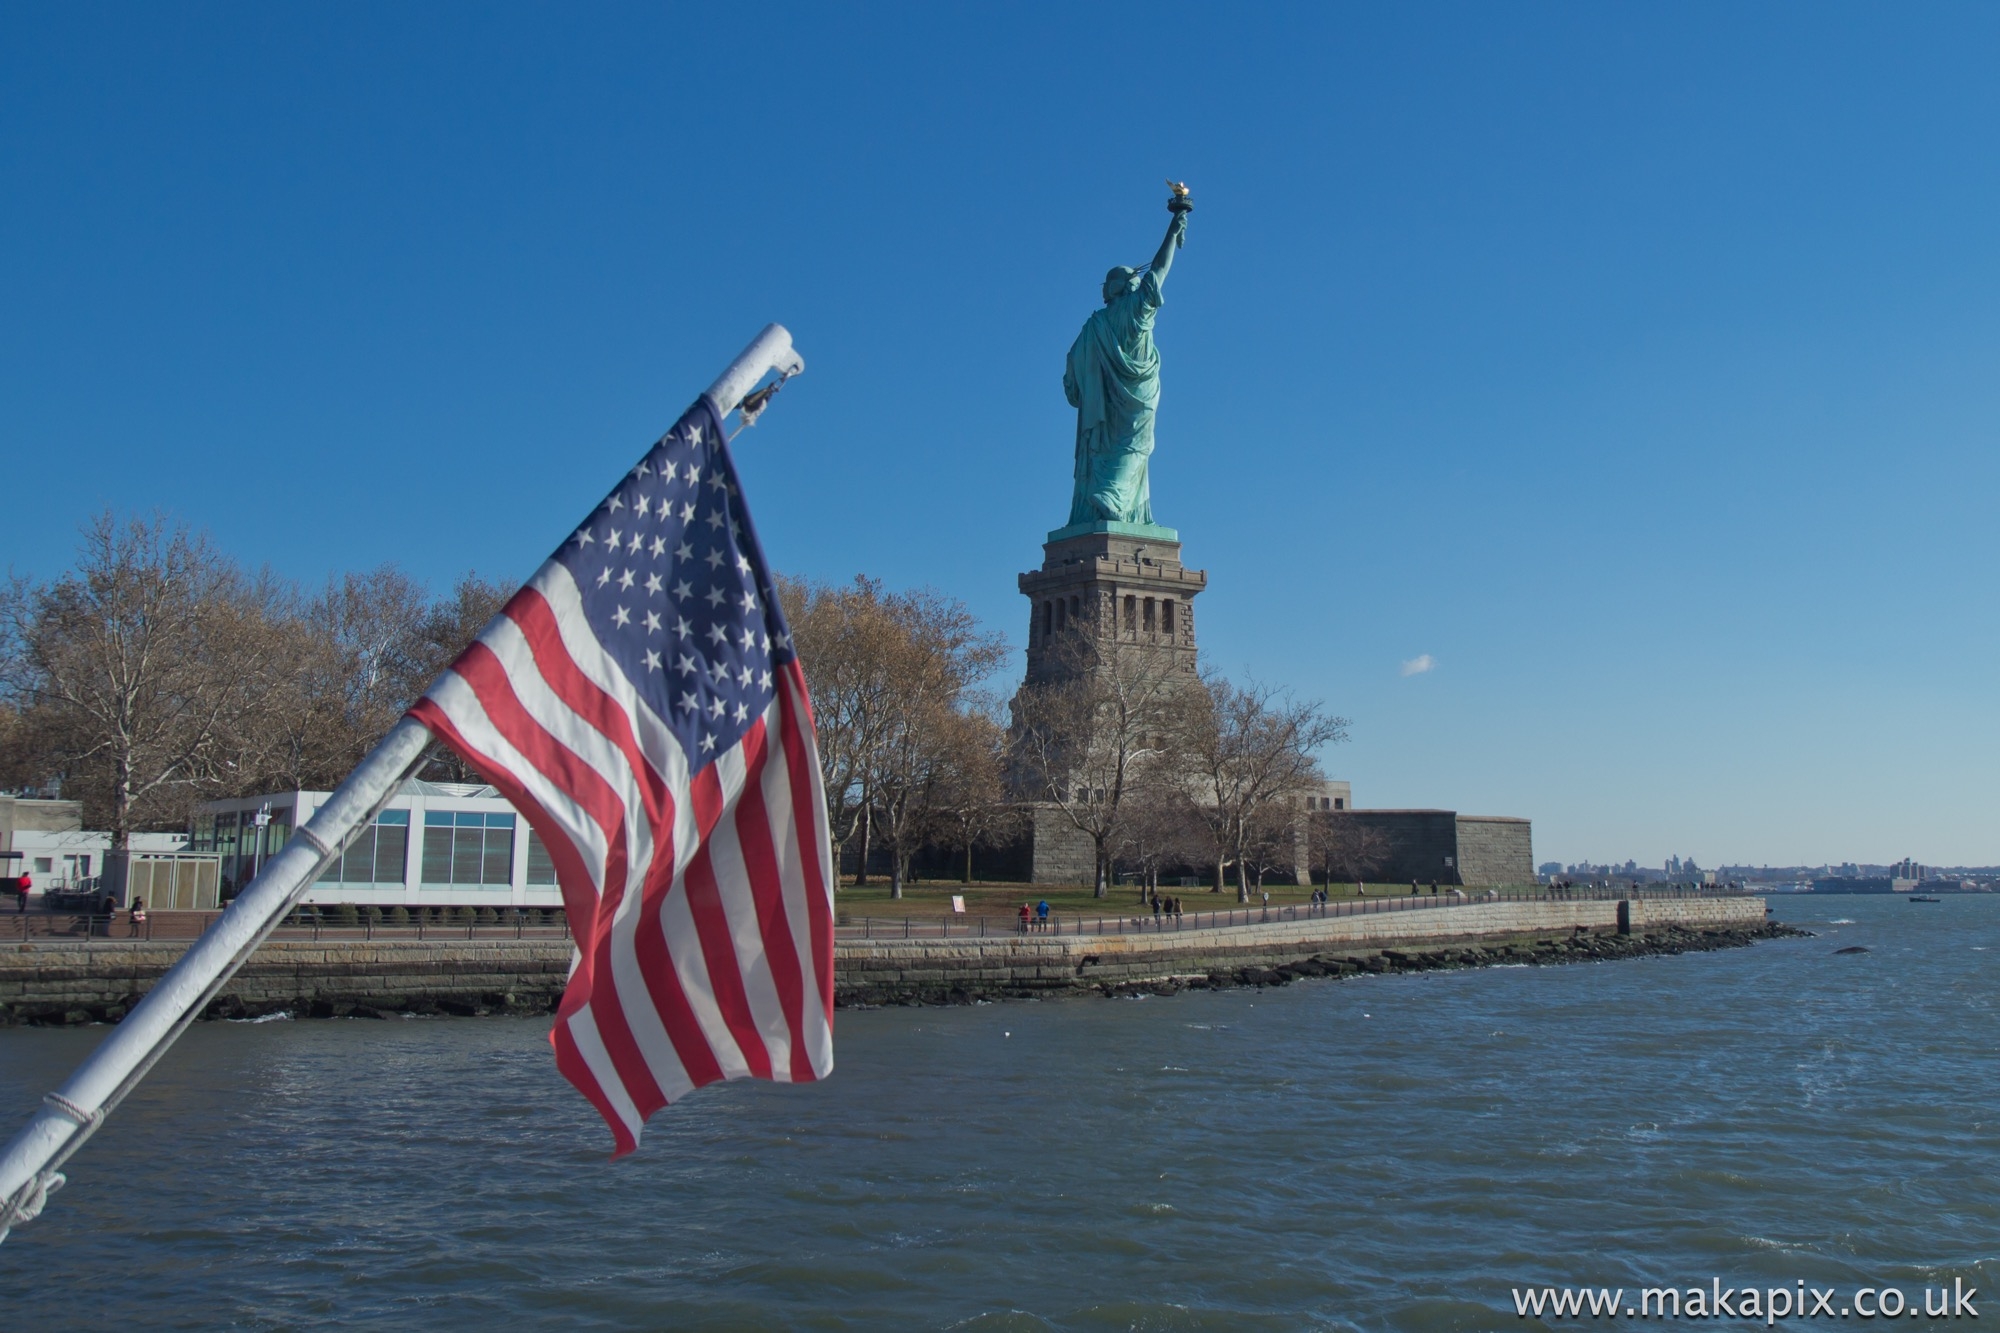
(1148, 615)
(377, 854)
(541, 870)
(1075, 608)
(465, 848)
(1131, 614)
(1048, 618)
(44, 865)
(1340, 803)
(1167, 615)
(279, 831)
(1059, 613)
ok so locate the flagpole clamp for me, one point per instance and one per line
(771, 350)
(754, 404)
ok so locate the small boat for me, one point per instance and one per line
(1920, 898)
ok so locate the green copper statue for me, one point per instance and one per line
(1113, 382)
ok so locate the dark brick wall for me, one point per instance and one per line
(1420, 845)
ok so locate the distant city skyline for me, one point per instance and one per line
(1578, 398)
(1907, 868)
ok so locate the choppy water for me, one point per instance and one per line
(1384, 1153)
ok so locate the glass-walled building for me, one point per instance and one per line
(436, 844)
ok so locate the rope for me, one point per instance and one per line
(62, 1105)
(27, 1203)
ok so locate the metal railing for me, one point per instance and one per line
(118, 928)
(57, 926)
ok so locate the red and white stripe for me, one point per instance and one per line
(702, 906)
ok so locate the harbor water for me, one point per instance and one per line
(1396, 1152)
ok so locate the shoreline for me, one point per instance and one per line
(1540, 953)
(66, 984)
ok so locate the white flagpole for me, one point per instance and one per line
(68, 1117)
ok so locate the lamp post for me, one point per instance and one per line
(261, 820)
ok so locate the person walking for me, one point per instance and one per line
(138, 920)
(23, 887)
(1042, 916)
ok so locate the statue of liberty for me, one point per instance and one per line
(1113, 382)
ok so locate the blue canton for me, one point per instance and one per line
(677, 592)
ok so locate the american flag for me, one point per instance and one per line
(640, 702)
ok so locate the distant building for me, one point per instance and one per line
(57, 851)
(436, 844)
(1332, 795)
(22, 814)
(72, 861)
(1856, 884)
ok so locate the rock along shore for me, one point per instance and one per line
(68, 983)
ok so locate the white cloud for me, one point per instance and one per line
(1416, 666)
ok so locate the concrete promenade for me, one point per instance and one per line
(57, 979)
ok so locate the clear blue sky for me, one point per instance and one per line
(1635, 363)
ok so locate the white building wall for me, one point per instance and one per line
(418, 800)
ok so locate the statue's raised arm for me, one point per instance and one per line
(1176, 236)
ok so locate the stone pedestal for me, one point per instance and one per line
(1119, 583)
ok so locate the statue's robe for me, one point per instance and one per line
(1113, 382)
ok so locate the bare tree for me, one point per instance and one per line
(847, 642)
(1273, 842)
(447, 627)
(972, 805)
(24, 764)
(143, 670)
(156, 673)
(934, 663)
(890, 674)
(1160, 827)
(1250, 750)
(909, 778)
(352, 657)
(1083, 738)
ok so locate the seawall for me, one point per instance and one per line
(897, 971)
(69, 982)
